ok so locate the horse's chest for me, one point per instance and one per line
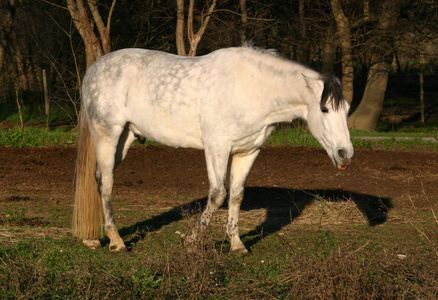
(250, 142)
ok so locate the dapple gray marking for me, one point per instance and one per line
(227, 103)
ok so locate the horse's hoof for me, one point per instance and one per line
(118, 248)
(240, 251)
(92, 244)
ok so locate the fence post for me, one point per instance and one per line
(422, 96)
(46, 93)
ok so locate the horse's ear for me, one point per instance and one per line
(315, 85)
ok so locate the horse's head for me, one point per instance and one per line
(327, 119)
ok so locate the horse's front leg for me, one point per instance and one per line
(240, 166)
(217, 161)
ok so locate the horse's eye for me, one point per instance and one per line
(324, 110)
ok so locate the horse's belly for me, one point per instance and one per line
(174, 132)
(175, 139)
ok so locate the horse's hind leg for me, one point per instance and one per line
(107, 141)
(125, 141)
(240, 166)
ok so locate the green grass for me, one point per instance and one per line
(49, 133)
(37, 137)
(427, 128)
(33, 113)
(300, 137)
(66, 136)
(292, 137)
(343, 263)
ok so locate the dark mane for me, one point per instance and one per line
(332, 90)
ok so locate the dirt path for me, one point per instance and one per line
(398, 180)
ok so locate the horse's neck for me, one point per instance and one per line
(288, 96)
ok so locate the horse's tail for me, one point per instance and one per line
(87, 212)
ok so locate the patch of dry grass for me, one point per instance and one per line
(325, 251)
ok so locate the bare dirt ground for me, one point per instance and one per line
(381, 184)
(292, 193)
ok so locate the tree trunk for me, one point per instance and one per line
(303, 51)
(104, 31)
(193, 38)
(31, 74)
(180, 46)
(368, 112)
(22, 83)
(344, 30)
(7, 24)
(94, 47)
(328, 54)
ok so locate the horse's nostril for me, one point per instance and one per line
(342, 154)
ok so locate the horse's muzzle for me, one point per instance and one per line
(341, 167)
(342, 160)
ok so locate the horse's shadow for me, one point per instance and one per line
(282, 206)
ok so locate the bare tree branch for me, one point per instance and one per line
(194, 39)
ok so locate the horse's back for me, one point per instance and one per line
(182, 101)
(154, 92)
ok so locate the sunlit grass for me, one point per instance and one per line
(37, 137)
(66, 136)
(41, 131)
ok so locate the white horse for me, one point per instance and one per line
(227, 103)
